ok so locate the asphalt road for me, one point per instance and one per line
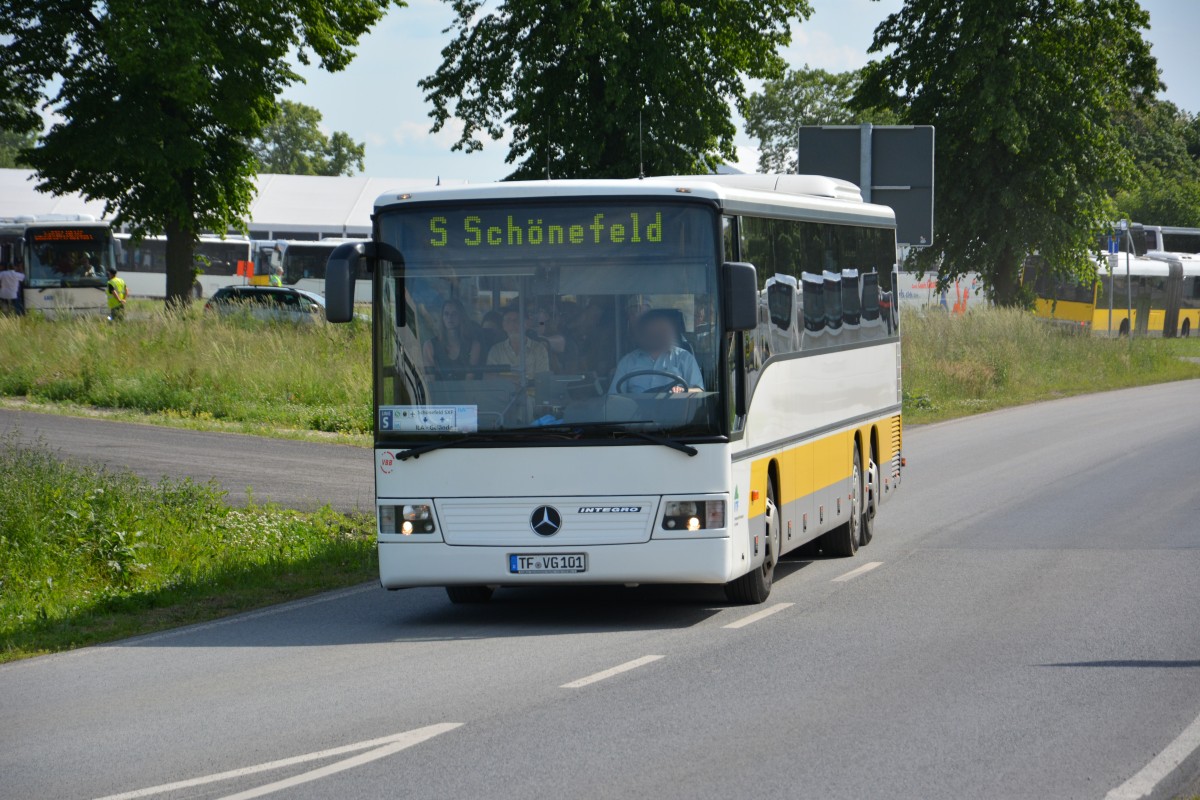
(1030, 629)
(294, 474)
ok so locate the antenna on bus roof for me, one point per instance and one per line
(641, 154)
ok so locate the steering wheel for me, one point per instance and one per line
(675, 380)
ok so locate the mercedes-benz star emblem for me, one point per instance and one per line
(546, 521)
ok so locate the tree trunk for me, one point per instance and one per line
(1006, 282)
(181, 273)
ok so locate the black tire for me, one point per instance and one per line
(755, 586)
(1185, 330)
(871, 483)
(1124, 329)
(469, 595)
(842, 541)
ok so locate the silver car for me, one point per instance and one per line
(270, 303)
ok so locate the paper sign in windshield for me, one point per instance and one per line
(429, 419)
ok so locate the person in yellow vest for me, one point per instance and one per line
(276, 277)
(117, 295)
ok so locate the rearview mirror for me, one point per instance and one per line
(339, 281)
(740, 306)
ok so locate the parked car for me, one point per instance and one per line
(272, 303)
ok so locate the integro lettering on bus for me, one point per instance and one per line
(634, 228)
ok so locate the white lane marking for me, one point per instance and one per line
(392, 744)
(608, 673)
(854, 573)
(757, 615)
(1144, 782)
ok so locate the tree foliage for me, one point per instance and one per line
(294, 144)
(804, 96)
(1023, 95)
(572, 82)
(1163, 143)
(13, 146)
(157, 101)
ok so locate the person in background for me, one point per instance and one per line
(276, 278)
(658, 351)
(491, 330)
(452, 353)
(10, 290)
(117, 295)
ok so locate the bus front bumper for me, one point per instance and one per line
(408, 564)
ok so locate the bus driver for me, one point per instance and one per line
(659, 364)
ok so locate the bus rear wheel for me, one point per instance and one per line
(870, 501)
(755, 586)
(469, 595)
(842, 541)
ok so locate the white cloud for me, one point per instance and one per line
(411, 133)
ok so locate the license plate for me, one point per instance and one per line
(562, 564)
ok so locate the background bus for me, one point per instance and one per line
(64, 259)
(1170, 239)
(1157, 295)
(670, 380)
(303, 264)
(143, 264)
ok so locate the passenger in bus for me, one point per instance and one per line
(659, 351)
(10, 290)
(593, 330)
(508, 353)
(454, 351)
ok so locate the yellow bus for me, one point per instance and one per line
(1157, 294)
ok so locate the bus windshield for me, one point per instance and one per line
(558, 317)
(69, 255)
(305, 262)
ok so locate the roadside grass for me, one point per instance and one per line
(195, 369)
(993, 358)
(89, 555)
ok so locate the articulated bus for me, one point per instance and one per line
(670, 380)
(303, 264)
(1157, 294)
(64, 259)
(144, 265)
(1171, 239)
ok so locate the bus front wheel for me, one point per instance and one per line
(842, 541)
(755, 586)
(464, 595)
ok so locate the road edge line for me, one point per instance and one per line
(1151, 780)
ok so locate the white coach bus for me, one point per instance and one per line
(303, 264)
(143, 264)
(671, 380)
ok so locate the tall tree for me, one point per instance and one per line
(1165, 189)
(294, 144)
(597, 88)
(13, 145)
(158, 100)
(1023, 95)
(804, 96)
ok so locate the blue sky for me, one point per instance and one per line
(376, 99)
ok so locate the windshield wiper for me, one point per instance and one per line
(621, 427)
(416, 451)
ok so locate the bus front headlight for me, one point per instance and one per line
(407, 519)
(693, 515)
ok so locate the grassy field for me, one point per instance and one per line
(195, 370)
(88, 555)
(989, 359)
(199, 371)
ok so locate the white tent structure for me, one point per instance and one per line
(284, 206)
